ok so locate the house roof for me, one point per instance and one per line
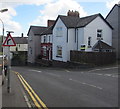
(86, 20)
(76, 22)
(116, 5)
(21, 40)
(102, 45)
(37, 30)
(47, 31)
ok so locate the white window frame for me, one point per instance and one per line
(59, 49)
(99, 34)
(89, 42)
(44, 39)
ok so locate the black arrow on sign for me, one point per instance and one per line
(8, 41)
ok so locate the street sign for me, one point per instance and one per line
(9, 41)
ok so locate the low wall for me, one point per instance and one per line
(96, 58)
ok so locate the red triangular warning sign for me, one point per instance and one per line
(9, 41)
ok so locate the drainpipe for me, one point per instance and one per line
(77, 38)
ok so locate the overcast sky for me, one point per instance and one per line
(23, 13)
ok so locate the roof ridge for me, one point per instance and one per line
(38, 26)
(91, 15)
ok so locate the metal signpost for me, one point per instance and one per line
(9, 42)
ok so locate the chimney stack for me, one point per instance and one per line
(50, 23)
(73, 13)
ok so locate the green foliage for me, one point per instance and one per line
(19, 58)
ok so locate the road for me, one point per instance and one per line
(73, 88)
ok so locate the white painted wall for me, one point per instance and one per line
(80, 35)
(91, 31)
(60, 41)
(47, 38)
(31, 36)
(72, 44)
(21, 47)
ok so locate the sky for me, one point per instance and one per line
(23, 13)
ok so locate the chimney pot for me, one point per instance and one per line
(22, 35)
(73, 13)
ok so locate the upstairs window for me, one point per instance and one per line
(99, 33)
(44, 39)
(59, 31)
(89, 42)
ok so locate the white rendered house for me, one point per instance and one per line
(74, 33)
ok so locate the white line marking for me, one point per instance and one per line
(52, 74)
(67, 70)
(86, 84)
(99, 74)
(107, 74)
(35, 70)
(103, 69)
(70, 79)
(27, 101)
(115, 76)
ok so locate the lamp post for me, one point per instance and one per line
(3, 10)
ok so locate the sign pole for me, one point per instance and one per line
(9, 69)
(9, 42)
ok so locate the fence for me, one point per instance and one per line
(96, 58)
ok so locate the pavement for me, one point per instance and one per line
(16, 97)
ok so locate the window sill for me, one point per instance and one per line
(89, 46)
(59, 56)
(99, 38)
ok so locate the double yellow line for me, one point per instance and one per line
(37, 101)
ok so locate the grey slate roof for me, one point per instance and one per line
(86, 20)
(76, 22)
(37, 30)
(102, 45)
(69, 21)
(47, 31)
(21, 40)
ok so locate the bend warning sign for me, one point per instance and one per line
(9, 41)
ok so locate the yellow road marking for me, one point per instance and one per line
(34, 100)
(40, 101)
(31, 91)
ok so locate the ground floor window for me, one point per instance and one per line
(44, 51)
(59, 51)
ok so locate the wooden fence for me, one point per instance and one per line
(96, 58)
